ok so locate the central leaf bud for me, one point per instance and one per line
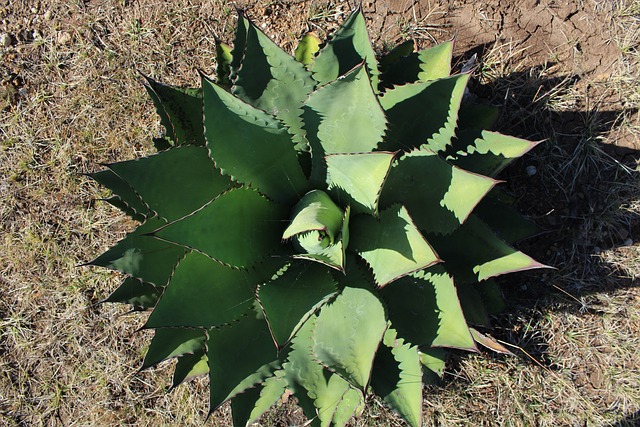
(319, 229)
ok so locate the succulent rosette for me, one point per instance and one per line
(323, 224)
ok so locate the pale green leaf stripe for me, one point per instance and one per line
(248, 407)
(190, 366)
(347, 333)
(315, 211)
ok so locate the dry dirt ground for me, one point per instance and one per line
(70, 99)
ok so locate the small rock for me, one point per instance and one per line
(5, 40)
(531, 170)
(628, 242)
(64, 38)
(48, 15)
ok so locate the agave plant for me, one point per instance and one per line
(321, 224)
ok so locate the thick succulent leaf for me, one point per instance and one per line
(433, 360)
(124, 198)
(175, 182)
(251, 146)
(396, 54)
(307, 48)
(348, 47)
(438, 196)
(347, 334)
(315, 211)
(425, 65)
(241, 355)
(180, 111)
(238, 228)
(391, 245)
(425, 310)
(248, 407)
(173, 342)
(343, 117)
(397, 377)
(144, 257)
(352, 403)
(485, 152)
(491, 295)
(423, 113)
(477, 117)
(204, 293)
(472, 304)
(319, 391)
(474, 253)
(224, 57)
(139, 294)
(357, 179)
(292, 296)
(317, 247)
(189, 367)
(239, 45)
(497, 211)
(272, 80)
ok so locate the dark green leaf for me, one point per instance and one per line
(173, 342)
(143, 257)
(240, 355)
(238, 228)
(175, 182)
(423, 113)
(251, 146)
(224, 58)
(425, 310)
(204, 293)
(348, 47)
(124, 197)
(315, 211)
(180, 111)
(133, 291)
(189, 367)
(292, 296)
(248, 407)
(426, 65)
(497, 211)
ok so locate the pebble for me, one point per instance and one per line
(48, 15)
(628, 242)
(531, 170)
(64, 38)
(5, 40)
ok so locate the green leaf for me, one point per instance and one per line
(315, 211)
(425, 310)
(248, 407)
(175, 182)
(433, 359)
(307, 48)
(240, 355)
(347, 334)
(477, 117)
(349, 46)
(239, 45)
(423, 66)
(204, 293)
(273, 81)
(423, 113)
(438, 196)
(251, 146)
(472, 304)
(343, 116)
(168, 343)
(144, 257)
(474, 253)
(352, 402)
(311, 382)
(397, 377)
(180, 111)
(124, 197)
(238, 228)
(139, 294)
(357, 179)
(396, 54)
(485, 152)
(392, 246)
(292, 296)
(224, 57)
(497, 211)
(189, 367)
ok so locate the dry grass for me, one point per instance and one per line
(70, 99)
